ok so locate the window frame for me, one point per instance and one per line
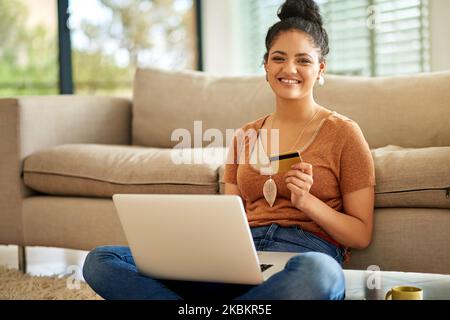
(65, 49)
(65, 46)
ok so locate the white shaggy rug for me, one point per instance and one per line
(15, 285)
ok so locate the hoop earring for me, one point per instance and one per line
(321, 80)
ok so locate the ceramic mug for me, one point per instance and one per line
(404, 293)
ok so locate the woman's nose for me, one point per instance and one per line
(290, 67)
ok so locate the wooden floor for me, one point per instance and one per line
(46, 261)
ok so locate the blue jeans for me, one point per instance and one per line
(315, 274)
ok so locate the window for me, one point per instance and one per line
(256, 18)
(367, 37)
(28, 51)
(110, 38)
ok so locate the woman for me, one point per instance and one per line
(319, 208)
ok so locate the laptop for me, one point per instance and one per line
(194, 238)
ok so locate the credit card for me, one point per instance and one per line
(283, 162)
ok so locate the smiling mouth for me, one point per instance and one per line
(289, 81)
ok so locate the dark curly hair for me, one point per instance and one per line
(303, 15)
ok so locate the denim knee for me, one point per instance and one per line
(93, 262)
(90, 264)
(325, 275)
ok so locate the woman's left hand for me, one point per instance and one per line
(299, 181)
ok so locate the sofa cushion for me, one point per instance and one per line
(407, 111)
(103, 170)
(407, 177)
(164, 101)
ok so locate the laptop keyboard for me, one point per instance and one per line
(264, 267)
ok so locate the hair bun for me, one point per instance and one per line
(304, 9)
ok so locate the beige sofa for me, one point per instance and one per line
(62, 157)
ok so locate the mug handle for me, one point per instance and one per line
(388, 295)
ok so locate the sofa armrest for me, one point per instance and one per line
(29, 124)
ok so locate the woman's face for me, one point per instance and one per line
(293, 65)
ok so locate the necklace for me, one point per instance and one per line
(270, 187)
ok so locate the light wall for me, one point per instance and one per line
(440, 34)
(220, 31)
(223, 54)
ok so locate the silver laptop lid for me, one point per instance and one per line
(190, 237)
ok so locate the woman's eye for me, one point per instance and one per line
(303, 61)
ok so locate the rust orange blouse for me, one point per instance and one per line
(341, 160)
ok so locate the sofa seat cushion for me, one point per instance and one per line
(407, 177)
(412, 177)
(102, 170)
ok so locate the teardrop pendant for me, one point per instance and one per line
(270, 191)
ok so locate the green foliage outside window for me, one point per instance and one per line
(28, 56)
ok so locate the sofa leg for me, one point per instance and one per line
(22, 259)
